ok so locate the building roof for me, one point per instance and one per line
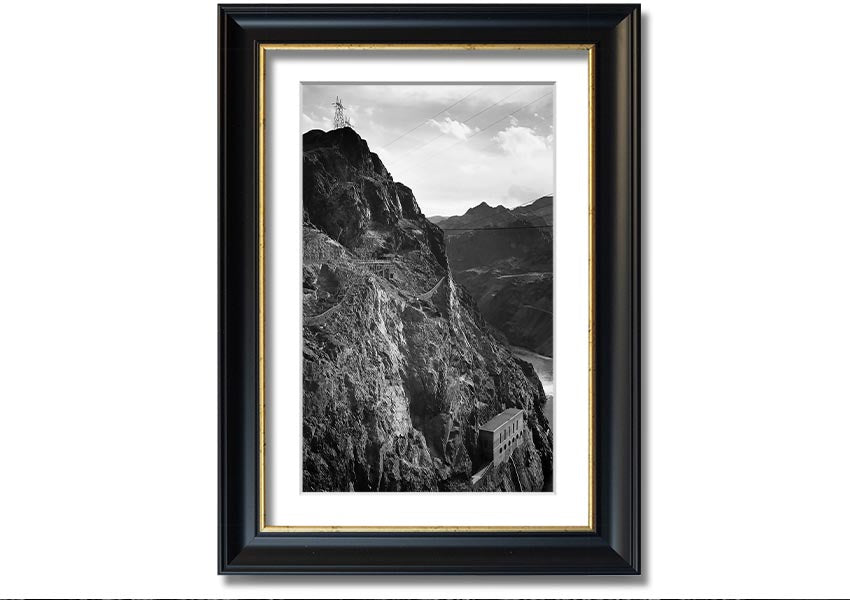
(500, 419)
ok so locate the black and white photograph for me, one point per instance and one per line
(275, 275)
(427, 264)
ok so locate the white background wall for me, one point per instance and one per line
(108, 320)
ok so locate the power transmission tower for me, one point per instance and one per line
(340, 118)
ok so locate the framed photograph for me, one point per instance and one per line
(429, 289)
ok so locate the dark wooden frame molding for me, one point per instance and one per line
(613, 546)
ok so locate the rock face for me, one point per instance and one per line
(504, 258)
(400, 368)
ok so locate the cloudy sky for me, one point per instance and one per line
(454, 145)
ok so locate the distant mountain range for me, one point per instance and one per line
(504, 259)
(536, 213)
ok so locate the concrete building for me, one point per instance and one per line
(383, 267)
(501, 434)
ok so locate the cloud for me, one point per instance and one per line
(310, 121)
(460, 169)
(467, 174)
(449, 126)
(520, 141)
(519, 194)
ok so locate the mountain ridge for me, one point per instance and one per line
(400, 367)
(537, 213)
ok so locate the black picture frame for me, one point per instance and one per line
(613, 547)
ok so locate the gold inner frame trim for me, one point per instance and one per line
(591, 455)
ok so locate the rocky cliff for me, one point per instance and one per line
(504, 258)
(400, 368)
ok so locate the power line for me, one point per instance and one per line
(494, 228)
(494, 122)
(410, 150)
(433, 154)
(434, 117)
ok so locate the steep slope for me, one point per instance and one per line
(504, 258)
(400, 368)
(518, 305)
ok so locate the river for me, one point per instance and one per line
(543, 366)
